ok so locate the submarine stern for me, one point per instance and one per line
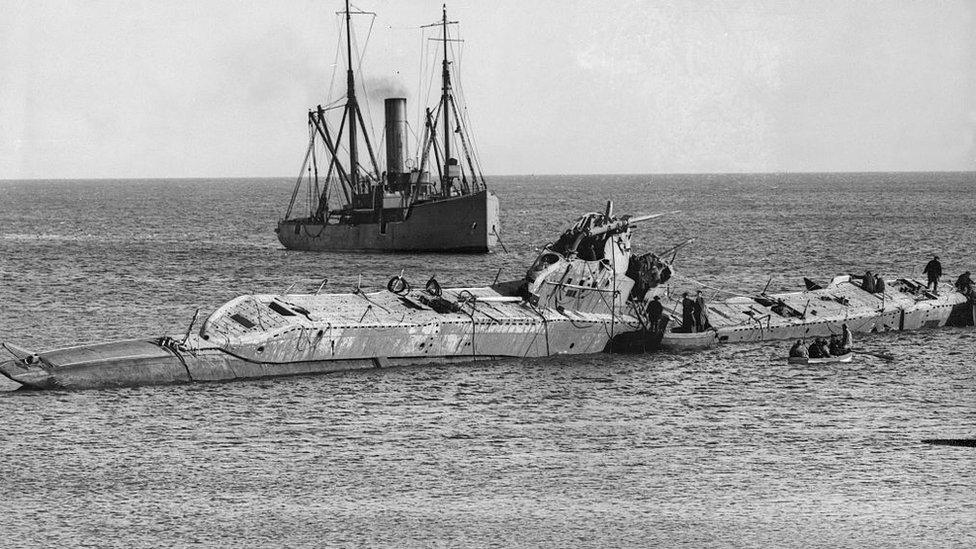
(114, 364)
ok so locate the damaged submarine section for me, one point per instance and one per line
(585, 292)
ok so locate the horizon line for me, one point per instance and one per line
(191, 178)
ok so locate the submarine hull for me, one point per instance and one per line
(903, 306)
(119, 363)
(150, 362)
(566, 304)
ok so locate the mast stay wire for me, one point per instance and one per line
(309, 185)
(703, 285)
(362, 85)
(464, 122)
(430, 83)
(301, 175)
(335, 61)
(471, 135)
(454, 141)
(420, 85)
(311, 142)
(421, 105)
(457, 140)
(475, 152)
(360, 55)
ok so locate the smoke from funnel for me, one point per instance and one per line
(380, 88)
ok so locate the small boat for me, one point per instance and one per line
(694, 341)
(846, 357)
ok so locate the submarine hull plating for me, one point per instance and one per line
(142, 362)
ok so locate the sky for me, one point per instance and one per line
(181, 88)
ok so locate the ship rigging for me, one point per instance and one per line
(356, 206)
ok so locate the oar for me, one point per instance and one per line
(884, 356)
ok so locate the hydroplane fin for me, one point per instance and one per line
(18, 352)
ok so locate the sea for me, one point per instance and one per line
(730, 447)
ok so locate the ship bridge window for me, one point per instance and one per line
(283, 311)
(243, 321)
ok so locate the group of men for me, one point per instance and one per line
(873, 283)
(694, 316)
(821, 348)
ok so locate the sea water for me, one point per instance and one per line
(728, 447)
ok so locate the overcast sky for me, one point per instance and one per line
(221, 88)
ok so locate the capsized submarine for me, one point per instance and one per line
(585, 293)
(901, 304)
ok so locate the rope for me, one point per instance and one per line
(613, 305)
(335, 62)
(703, 285)
(301, 174)
(545, 327)
(369, 114)
(257, 311)
(609, 306)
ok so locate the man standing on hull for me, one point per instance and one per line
(934, 270)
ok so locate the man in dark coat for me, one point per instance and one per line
(799, 349)
(701, 313)
(846, 340)
(934, 270)
(964, 283)
(824, 348)
(654, 312)
(868, 284)
(819, 349)
(815, 350)
(687, 313)
(834, 345)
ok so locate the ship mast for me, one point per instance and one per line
(356, 186)
(451, 168)
(352, 108)
(446, 108)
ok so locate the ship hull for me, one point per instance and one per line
(463, 224)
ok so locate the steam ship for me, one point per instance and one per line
(356, 207)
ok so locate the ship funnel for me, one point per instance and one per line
(396, 136)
